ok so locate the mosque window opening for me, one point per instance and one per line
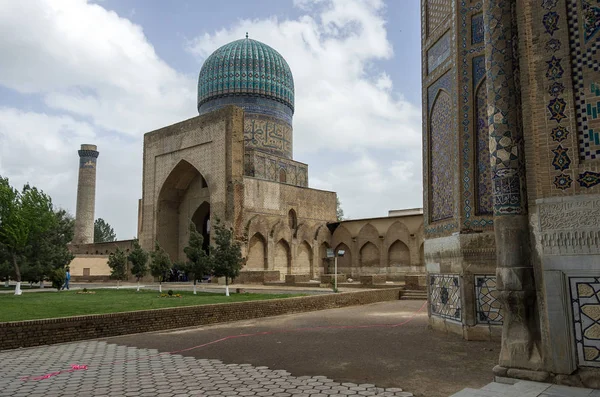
(292, 219)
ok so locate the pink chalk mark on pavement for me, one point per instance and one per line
(74, 367)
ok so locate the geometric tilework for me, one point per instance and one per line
(585, 297)
(488, 305)
(444, 299)
(246, 67)
(437, 12)
(485, 198)
(439, 52)
(584, 40)
(506, 143)
(588, 179)
(441, 168)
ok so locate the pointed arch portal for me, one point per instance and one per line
(184, 197)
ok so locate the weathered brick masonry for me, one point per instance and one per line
(45, 332)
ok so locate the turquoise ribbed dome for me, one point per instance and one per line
(246, 67)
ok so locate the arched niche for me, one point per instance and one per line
(282, 259)
(441, 155)
(369, 255)
(303, 263)
(257, 253)
(344, 262)
(398, 254)
(182, 194)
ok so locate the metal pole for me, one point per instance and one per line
(335, 274)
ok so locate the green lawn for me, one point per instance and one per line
(52, 304)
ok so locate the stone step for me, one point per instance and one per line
(526, 389)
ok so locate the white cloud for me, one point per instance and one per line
(101, 81)
(340, 102)
(359, 136)
(42, 149)
(90, 62)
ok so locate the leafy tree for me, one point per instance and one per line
(117, 261)
(6, 270)
(139, 262)
(339, 210)
(160, 264)
(200, 263)
(227, 254)
(24, 217)
(103, 232)
(50, 250)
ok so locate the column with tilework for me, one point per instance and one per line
(515, 276)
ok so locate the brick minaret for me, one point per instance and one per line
(86, 195)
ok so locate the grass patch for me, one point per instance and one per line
(52, 304)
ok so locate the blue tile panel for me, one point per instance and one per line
(246, 67)
(261, 165)
(584, 41)
(477, 28)
(442, 141)
(485, 197)
(444, 296)
(268, 134)
(439, 52)
(585, 298)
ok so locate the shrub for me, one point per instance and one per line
(170, 292)
(58, 278)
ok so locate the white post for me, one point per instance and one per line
(335, 273)
(138, 288)
(160, 288)
(42, 284)
(194, 287)
(18, 288)
(6, 283)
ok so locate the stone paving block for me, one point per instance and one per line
(128, 371)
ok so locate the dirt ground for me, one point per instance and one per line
(386, 344)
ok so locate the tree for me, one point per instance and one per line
(24, 217)
(339, 210)
(139, 262)
(50, 250)
(227, 254)
(160, 265)
(200, 263)
(103, 232)
(6, 270)
(117, 261)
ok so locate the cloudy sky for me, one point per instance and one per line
(107, 71)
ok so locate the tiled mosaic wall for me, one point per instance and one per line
(585, 297)
(442, 138)
(488, 305)
(268, 134)
(264, 166)
(444, 296)
(584, 30)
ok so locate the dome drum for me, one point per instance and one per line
(255, 77)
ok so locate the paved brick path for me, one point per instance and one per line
(114, 370)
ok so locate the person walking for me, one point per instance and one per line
(67, 278)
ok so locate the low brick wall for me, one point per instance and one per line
(255, 277)
(68, 329)
(373, 279)
(296, 278)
